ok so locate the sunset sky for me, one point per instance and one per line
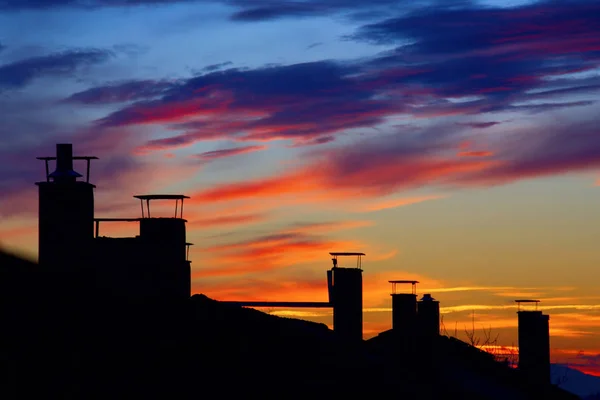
(455, 142)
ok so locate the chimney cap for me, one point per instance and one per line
(358, 256)
(65, 173)
(526, 301)
(396, 282)
(427, 297)
(64, 163)
(148, 197)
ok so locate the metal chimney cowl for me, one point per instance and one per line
(64, 164)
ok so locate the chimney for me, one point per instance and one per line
(534, 343)
(404, 310)
(428, 311)
(345, 292)
(66, 213)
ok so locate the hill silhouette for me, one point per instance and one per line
(63, 339)
(575, 381)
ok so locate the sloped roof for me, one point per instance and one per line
(84, 344)
(465, 368)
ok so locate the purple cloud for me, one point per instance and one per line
(479, 125)
(20, 73)
(452, 62)
(120, 92)
(234, 151)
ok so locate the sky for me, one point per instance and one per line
(454, 142)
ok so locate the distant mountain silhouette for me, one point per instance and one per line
(61, 340)
(575, 381)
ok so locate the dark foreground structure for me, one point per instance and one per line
(95, 318)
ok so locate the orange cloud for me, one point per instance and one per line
(383, 205)
(252, 289)
(325, 227)
(328, 180)
(267, 253)
(475, 154)
(475, 307)
(284, 184)
(567, 332)
(239, 219)
(384, 256)
(520, 294)
(377, 289)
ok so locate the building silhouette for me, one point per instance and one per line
(345, 288)
(534, 343)
(152, 266)
(134, 330)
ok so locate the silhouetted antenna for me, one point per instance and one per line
(346, 254)
(64, 164)
(526, 301)
(413, 287)
(148, 197)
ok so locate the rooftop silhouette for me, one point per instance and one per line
(101, 317)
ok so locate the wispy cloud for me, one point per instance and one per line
(475, 153)
(224, 220)
(313, 45)
(268, 252)
(325, 227)
(234, 151)
(20, 73)
(400, 202)
(479, 125)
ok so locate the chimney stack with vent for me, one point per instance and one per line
(404, 310)
(428, 310)
(66, 212)
(534, 343)
(345, 296)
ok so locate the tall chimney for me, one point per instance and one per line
(534, 344)
(345, 285)
(66, 213)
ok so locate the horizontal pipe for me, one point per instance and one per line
(117, 219)
(291, 304)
